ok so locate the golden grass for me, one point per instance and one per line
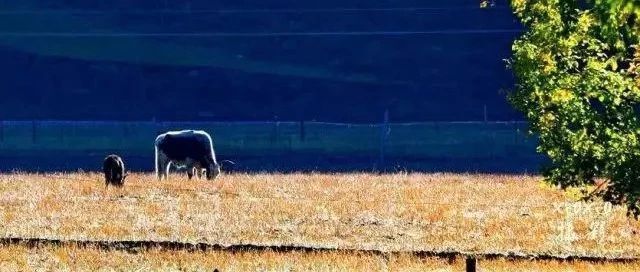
(74, 258)
(399, 212)
(21, 258)
(504, 265)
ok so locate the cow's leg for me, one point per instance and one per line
(190, 172)
(162, 165)
(158, 163)
(165, 169)
(196, 169)
(107, 179)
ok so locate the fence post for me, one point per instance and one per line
(516, 131)
(61, 131)
(158, 126)
(274, 133)
(384, 132)
(33, 132)
(486, 118)
(166, 6)
(125, 129)
(471, 264)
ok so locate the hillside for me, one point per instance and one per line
(330, 61)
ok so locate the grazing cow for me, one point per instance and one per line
(114, 172)
(190, 148)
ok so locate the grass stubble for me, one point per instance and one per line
(397, 212)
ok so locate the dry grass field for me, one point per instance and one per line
(510, 215)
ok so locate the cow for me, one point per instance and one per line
(190, 148)
(114, 172)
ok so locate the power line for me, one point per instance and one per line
(252, 34)
(236, 11)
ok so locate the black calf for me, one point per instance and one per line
(113, 168)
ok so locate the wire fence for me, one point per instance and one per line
(191, 11)
(427, 139)
(136, 245)
(251, 34)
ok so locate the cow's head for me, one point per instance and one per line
(213, 171)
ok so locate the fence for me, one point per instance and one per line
(372, 142)
(471, 260)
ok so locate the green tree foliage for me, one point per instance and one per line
(576, 69)
(617, 5)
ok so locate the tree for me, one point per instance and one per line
(487, 3)
(577, 83)
(628, 5)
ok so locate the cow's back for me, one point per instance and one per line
(111, 162)
(186, 144)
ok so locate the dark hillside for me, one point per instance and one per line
(339, 61)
